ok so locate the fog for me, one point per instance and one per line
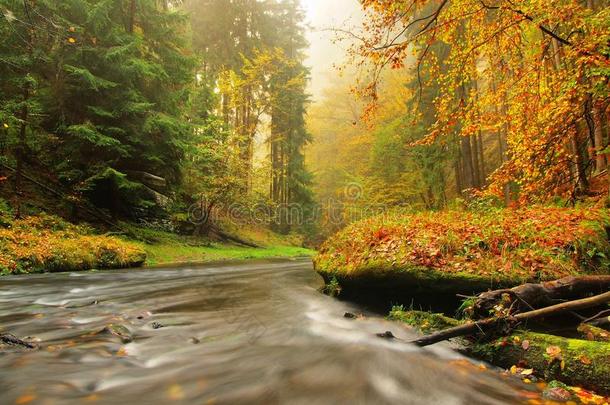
(323, 15)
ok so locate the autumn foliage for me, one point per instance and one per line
(531, 244)
(530, 76)
(45, 243)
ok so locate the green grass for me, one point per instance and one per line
(172, 253)
(168, 248)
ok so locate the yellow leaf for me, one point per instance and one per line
(175, 393)
(25, 399)
(5, 125)
(528, 371)
(513, 370)
(71, 40)
(563, 364)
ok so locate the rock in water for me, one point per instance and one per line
(13, 341)
(119, 331)
(386, 335)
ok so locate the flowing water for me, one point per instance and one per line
(249, 333)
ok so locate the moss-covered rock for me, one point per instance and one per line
(462, 251)
(45, 243)
(426, 322)
(575, 362)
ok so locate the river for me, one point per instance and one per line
(245, 333)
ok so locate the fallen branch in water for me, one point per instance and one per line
(489, 323)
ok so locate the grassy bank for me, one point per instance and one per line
(171, 253)
(461, 248)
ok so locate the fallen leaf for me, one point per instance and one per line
(25, 399)
(175, 392)
(528, 371)
(553, 351)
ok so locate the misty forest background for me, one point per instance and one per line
(141, 110)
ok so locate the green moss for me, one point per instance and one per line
(45, 243)
(182, 252)
(426, 322)
(448, 250)
(577, 362)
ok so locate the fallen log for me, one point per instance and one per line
(531, 296)
(509, 322)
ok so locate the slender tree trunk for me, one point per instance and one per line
(132, 16)
(482, 159)
(476, 164)
(21, 150)
(579, 164)
(468, 170)
(459, 183)
(600, 144)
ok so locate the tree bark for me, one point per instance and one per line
(600, 159)
(132, 16)
(530, 296)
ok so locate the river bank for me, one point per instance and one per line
(439, 261)
(45, 243)
(394, 258)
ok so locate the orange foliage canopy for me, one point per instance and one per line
(533, 71)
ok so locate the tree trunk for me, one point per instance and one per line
(467, 166)
(600, 144)
(582, 183)
(474, 146)
(21, 149)
(529, 296)
(132, 16)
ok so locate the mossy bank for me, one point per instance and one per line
(408, 256)
(577, 362)
(45, 243)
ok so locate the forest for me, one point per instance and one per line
(456, 162)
